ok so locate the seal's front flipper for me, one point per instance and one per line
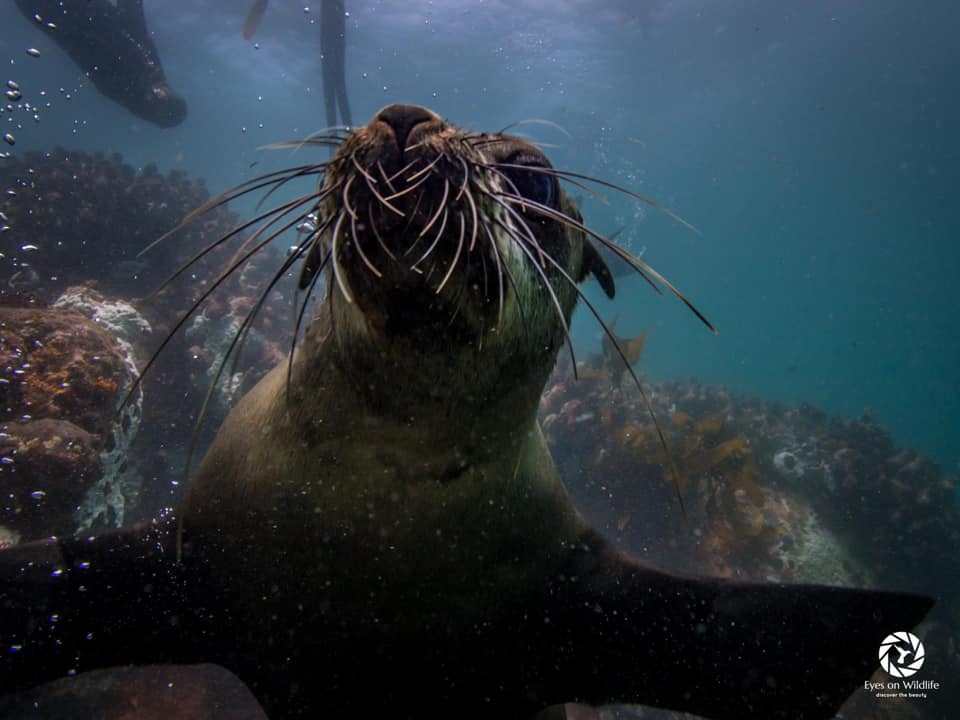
(75, 604)
(150, 692)
(717, 648)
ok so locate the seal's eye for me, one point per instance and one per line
(536, 184)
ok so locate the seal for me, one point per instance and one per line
(378, 528)
(110, 43)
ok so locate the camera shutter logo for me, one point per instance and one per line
(901, 654)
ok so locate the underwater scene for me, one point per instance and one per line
(421, 359)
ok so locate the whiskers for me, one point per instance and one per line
(453, 206)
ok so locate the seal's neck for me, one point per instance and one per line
(466, 395)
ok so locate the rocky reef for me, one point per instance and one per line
(72, 217)
(74, 224)
(59, 384)
(772, 492)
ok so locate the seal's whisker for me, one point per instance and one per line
(441, 206)
(550, 171)
(399, 172)
(362, 170)
(499, 266)
(545, 281)
(483, 266)
(513, 213)
(312, 262)
(227, 196)
(414, 213)
(376, 232)
(346, 197)
(278, 215)
(408, 189)
(537, 121)
(255, 183)
(474, 222)
(466, 180)
(433, 245)
(387, 180)
(509, 273)
(568, 174)
(314, 247)
(298, 252)
(675, 475)
(383, 201)
(138, 381)
(283, 181)
(520, 221)
(337, 271)
(636, 263)
(224, 238)
(241, 332)
(359, 247)
(456, 256)
(295, 145)
(424, 170)
(561, 217)
(484, 139)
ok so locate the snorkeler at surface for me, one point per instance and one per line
(110, 43)
(332, 48)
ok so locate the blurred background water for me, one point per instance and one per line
(813, 144)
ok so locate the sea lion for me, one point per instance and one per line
(378, 529)
(109, 42)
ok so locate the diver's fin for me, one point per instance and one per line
(74, 604)
(252, 21)
(717, 648)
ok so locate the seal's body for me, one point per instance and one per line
(110, 43)
(378, 529)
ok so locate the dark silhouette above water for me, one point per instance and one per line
(333, 49)
(111, 45)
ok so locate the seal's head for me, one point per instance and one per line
(453, 260)
(443, 239)
(159, 104)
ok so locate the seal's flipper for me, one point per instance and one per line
(150, 692)
(722, 649)
(74, 604)
(110, 43)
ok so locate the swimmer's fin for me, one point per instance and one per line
(717, 648)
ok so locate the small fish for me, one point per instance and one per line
(254, 17)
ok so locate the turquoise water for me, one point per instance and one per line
(814, 146)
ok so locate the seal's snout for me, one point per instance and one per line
(403, 120)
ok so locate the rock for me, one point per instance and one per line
(47, 466)
(59, 365)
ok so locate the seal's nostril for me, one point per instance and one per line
(402, 119)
